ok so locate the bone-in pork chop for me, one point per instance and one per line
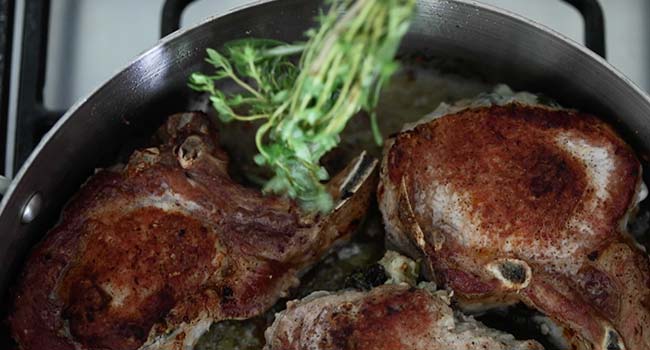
(525, 203)
(148, 255)
(388, 317)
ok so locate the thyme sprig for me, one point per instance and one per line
(304, 107)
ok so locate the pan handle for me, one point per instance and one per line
(171, 15)
(592, 13)
(4, 185)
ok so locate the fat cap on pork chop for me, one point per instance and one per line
(515, 202)
(148, 255)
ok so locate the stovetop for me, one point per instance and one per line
(86, 42)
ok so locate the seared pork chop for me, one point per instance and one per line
(388, 317)
(148, 255)
(525, 203)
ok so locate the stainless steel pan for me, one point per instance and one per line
(496, 45)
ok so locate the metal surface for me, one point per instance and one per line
(4, 185)
(32, 208)
(32, 118)
(6, 44)
(497, 46)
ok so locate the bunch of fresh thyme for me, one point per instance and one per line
(304, 108)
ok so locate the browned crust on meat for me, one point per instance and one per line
(524, 188)
(384, 322)
(143, 249)
(159, 258)
(172, 262)
(388, 317)
(518, 180)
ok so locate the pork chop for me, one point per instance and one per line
(388, 317)
(525, 203)
(148, 255)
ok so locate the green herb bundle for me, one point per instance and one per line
(304, 107)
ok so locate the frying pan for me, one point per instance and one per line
(498, 46)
